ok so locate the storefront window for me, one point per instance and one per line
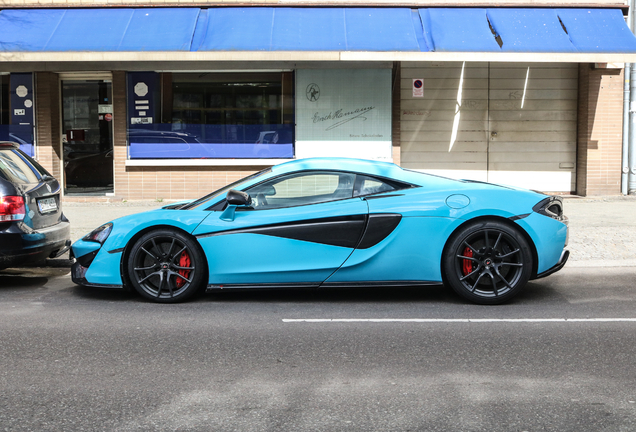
(16, 110)
(210, 115)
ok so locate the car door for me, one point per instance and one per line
(299, 229)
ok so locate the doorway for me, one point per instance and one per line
(87, 136)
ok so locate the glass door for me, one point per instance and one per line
(87, 136)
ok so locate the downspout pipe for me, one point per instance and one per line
(632, 132)
(626, 115)
(631, 157)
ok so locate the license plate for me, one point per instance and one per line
(47, 205)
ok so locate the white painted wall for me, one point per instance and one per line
(373, 150)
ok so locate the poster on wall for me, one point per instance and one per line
(343, 112)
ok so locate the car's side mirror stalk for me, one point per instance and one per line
(235, 198)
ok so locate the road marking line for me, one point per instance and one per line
(458, 320)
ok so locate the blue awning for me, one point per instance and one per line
(279, 29)
(309, 29)
(148, 29)
(527, 30)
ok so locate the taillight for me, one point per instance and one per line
(551, 207)
(12, 208)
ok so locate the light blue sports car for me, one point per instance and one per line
(332, 222)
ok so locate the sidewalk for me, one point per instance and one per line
(602, 229)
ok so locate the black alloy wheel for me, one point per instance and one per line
(487, 262)
(166, 266)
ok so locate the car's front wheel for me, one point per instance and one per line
(487, 262)
(166, 266)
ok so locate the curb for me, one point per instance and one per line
(602, 263)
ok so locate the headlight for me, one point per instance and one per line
(100, 234)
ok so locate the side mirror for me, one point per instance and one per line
(234, 198)
(238, 198)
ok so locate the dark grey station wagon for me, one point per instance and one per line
(32, 225)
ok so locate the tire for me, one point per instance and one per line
(166, 266)
(487, 262)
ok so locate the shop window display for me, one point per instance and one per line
(210, 115)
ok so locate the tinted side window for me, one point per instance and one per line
(15, 169)
(302, 189)
(366, 185)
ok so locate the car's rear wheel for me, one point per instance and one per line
(487, 262)
(166, 266)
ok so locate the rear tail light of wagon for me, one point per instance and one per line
(12, 208)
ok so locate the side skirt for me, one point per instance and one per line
(375, 284)
(213, 287)
(369, 284)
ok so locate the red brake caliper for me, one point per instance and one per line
(467, 265)
(184, 261)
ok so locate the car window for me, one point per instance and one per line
(15, 169)
(302, 189)
(369, 185)
(220, 193)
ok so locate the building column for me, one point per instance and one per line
(396, 113)
(47, 122)
(600, 131)
(121, 180)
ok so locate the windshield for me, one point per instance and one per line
(208, 199)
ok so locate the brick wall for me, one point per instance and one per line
(600, 119)
(172, 183)
(47, 121)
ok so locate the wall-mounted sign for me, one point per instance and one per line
(140, 120)
(142, 87)
(22, 98)
(418, 87)
(20, 127)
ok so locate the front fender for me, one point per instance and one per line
(127, 227)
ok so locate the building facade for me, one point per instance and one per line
(172, 102)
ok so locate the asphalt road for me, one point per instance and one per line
(79, 359)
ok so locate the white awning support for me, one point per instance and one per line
(312, 56)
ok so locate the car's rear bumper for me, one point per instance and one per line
(20, 245)
(564, 258)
